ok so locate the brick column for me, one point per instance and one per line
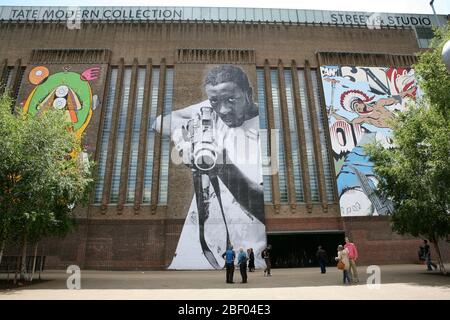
(270, 127)
(158, 137)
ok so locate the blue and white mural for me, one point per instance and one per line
(361, 102)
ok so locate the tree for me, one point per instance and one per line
(415, 175)
(43, 176)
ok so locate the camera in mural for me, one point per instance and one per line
(202, 134)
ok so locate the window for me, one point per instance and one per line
(279, 126)
(264, 141)
(106, 130)
(294, 137)
(424, 36)
(323, 142)
(165, 142)
(148, 168)
(136, 127)
(118, 156)
(312, 170)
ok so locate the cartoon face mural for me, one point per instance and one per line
(66, 91)
(361, 102)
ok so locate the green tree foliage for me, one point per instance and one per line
(416, 174)
(43, 175)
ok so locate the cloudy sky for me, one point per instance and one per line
(399, 6)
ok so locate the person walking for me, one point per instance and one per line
(251, 260)
(427, 255)
(342, 256)
(353, 256)
(229, 257)
(242, 262)
(322, 258)
(265, 254)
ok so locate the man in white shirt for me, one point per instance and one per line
(233, 210)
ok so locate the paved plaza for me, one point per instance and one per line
(397, 282)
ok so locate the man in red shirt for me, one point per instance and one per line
(353, 256)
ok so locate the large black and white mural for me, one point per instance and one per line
(218, 142)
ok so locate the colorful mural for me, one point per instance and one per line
(360, 102)
(66, 90)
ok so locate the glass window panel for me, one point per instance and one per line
(279, 126)
(136, 128)
(312, 165)
(294, 138)
(264, 141)
(118, 156)
(106, 131)
(165, 141)
(148, 167)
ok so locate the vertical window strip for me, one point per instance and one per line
(312, 166)
(19, 83)
(279, 126)
(136, 127)
(264, 141)
(8, 77)
(294, 138)
(323, 143)
(106, 131)
(117, 165)
(148, 171)
(165, 142)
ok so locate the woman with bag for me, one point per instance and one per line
(343, 262)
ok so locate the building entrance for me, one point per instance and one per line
(298, 249)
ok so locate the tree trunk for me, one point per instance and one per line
(34, 261)
(23, 267)
(1, 250)
(438, 251)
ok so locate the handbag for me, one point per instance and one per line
(340, 265)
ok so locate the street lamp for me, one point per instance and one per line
(434, 12)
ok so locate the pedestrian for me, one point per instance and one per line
(353, 256)
(427, 255)
(323, 259)
(251, 260)
(342, 257)
(229, 257)
(242, 262)
(265, 254)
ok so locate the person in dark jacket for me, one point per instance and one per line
(321, 256)
(427, 255)
(251, 260)
(265, 254)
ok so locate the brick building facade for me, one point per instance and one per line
(148, 67)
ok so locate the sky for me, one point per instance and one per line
(397, 6)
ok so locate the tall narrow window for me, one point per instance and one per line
(118, 156)
(294, 138)
(312, 170)
(106, 131)
(323, 142)
(134, 148)
(165, 142)
(148, 171)
(8, 77)
(264, 141)
(21, 72)
(279, 126)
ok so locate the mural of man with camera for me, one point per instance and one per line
(218, 139)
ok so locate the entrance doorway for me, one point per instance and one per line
(298, 249)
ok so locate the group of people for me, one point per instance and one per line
(242, 259)
(346, 256)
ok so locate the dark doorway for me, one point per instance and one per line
(297, 250)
